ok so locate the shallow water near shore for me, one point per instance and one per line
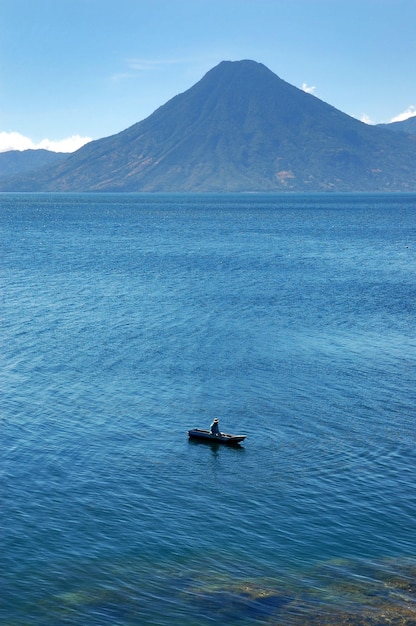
(127, 320)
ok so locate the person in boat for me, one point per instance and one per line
(215, 428)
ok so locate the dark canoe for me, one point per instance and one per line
(206, 435)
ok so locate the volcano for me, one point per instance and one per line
(241, 128)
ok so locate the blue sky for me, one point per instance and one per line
(77, 69)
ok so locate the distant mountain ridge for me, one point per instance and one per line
(15, 162)
(240, 128)
(405, 126)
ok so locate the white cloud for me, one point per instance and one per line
(365, 118)
(410, 112)
(69, 144)
(17, 141)
(307, 89)
(14, 141)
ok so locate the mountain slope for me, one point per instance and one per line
(240, 128)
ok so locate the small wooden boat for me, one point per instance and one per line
(206, 435)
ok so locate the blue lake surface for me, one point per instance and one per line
(127, 320)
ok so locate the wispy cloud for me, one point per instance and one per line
(17, 141)
(308, 89)
(144, 65)
(410, 112)
(135, 66)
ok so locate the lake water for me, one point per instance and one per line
(127, 320)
